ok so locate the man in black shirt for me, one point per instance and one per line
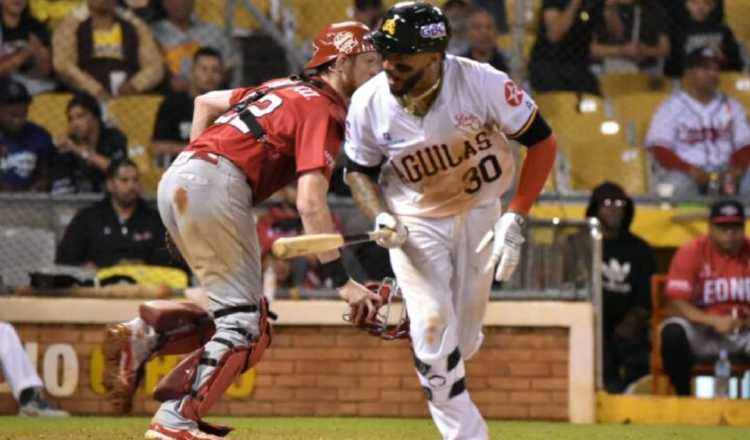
(561, 56)
(121, 229)
(173, 122)
(627, 266)
(85, 154)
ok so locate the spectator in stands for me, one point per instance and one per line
(707, 288)
(24, 47)
(175, 116)
(561, 58)
(457, 12)
(633, 35)
(106, 51)
(21, 376)
(700, 30)
(496, 8)
(483, 40)
(700, 137)
(181, 35)
(120, 229)
(85, 154)
(627, 266)
(26, 149)
(368, 12)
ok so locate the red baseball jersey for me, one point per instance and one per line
(710, 280)
(304, 125)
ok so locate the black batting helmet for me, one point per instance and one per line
(411, 27)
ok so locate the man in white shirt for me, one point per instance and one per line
(699, 137)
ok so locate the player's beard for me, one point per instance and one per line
(408, 84)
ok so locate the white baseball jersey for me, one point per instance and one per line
(456, 156)
(704, 136)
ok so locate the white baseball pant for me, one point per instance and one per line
(446, 293)
(16, 365)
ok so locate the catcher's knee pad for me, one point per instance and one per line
(202, 392)
(443, 379)
(182, 326)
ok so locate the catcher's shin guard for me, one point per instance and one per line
(182, 326)
(181, 382)
(164, 327)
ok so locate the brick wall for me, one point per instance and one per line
(333, 370)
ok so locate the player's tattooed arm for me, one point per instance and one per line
(366, 194)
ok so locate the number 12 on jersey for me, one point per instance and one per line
(257, 109)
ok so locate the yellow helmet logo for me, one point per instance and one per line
(389, 26)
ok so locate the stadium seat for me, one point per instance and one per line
(24, 250)
(553, 104)
(736, 14)
(634, 112)
(49, 111)
(136, 116)
(618, 84)
(659, 380)
(736, 85)
(599, 158)
(312, 17)
(212, 12)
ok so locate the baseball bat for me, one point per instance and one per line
(114, 291)
(289, 247)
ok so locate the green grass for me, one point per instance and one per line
(322, 428)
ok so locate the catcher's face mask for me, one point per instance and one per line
(387, 323)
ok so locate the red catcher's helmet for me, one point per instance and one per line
(345, 38)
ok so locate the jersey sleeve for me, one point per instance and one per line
(662, 127)
(509, 104)
(740, 127)
(361, 146)
(683, 272)
(317, 139)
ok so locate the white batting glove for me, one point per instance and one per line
(386, 221)
(507, 239)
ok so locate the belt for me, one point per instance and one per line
(205, 156)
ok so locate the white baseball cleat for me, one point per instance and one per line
(126, 350)
(157, 431)
(38, 407)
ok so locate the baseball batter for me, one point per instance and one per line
(428, 157)
(245, 145)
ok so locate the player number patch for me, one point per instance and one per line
(487, 170)
(257, 109)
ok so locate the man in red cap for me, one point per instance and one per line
(709, 289)
(245, 144)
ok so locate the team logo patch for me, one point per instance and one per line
(434, 30)
(344, 42)
(467, 121)
(389, 26)
(513, 94)
(730, 211)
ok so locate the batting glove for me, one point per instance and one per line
(507, 238)
(386, 221)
